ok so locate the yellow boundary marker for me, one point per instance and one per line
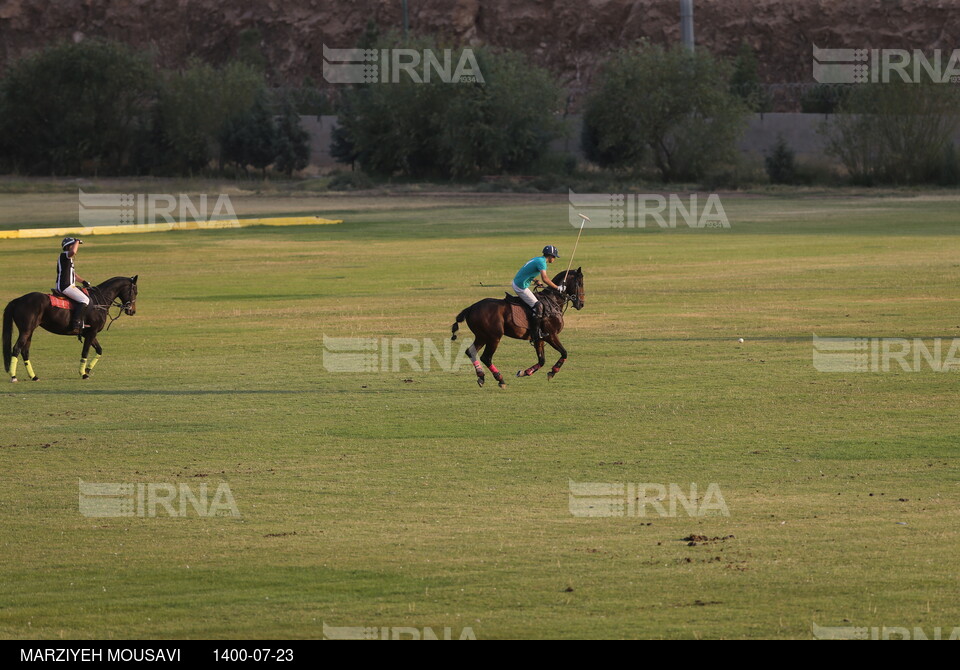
(30, 233)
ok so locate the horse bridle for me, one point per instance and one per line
(567, 299)
(117, 302)
(570, 297)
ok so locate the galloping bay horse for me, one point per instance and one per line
(490, 319)
(38, 310)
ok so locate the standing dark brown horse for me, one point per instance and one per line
(490, 319)
(35, 310)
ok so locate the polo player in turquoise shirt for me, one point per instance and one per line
(521, 284)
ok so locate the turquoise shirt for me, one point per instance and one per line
(530, 270)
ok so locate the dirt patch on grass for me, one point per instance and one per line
(694, 540)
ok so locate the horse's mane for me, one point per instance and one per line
(564, 276)
(99, 299)
(111, 281)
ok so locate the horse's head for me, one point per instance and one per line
(128, 295)
(573, 281)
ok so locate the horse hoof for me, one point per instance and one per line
(519, 373)
(550, 375)
(14, 380)
(85, 377)
(36, 379)
(480, 382)
(503, 385)
(89, 371)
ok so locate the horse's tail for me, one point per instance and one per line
(460, 317)
(7, 335)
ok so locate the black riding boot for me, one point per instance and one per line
(538, 321)
(76, 323)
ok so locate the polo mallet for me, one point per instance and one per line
(570, 264)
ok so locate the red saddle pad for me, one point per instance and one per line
(62, 303)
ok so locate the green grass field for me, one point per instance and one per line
(414, 498)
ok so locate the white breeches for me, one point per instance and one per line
(76, 295)
(526, 295)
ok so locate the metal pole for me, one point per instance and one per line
(686, 23)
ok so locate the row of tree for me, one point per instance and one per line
(670, 107)
(685, 113)
(502, 124)
(667, 111)
(99, 107)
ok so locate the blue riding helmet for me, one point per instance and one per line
(551, 250)
(67, 241)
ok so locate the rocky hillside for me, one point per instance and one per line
(568, 36)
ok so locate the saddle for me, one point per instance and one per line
(522, 314)
(514, 300)
(519, 311)
(57, 299)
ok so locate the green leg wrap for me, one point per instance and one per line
(13, 367)
(83, 366)
(93, 362)
(29, 368)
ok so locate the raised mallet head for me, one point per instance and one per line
(583, 216)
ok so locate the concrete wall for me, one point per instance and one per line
(320, 129)
(799, 131)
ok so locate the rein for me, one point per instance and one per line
(122, 307)
(566, 275)
(556, 295)
(102, 305)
